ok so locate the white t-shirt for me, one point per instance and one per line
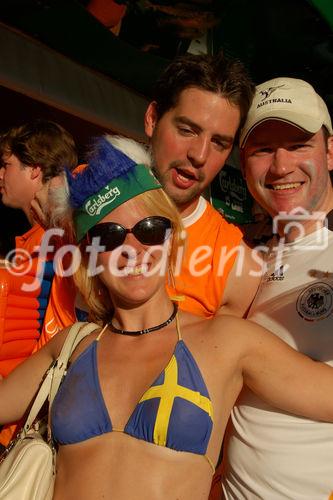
(270, 454)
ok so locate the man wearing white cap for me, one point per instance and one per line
(287, 153)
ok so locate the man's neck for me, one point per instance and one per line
(188, 208)
(29, 215)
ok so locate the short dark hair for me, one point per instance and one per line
(43, 143)
(217, 74)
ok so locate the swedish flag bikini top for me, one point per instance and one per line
(175, 412)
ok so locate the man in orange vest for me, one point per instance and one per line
(31, 155)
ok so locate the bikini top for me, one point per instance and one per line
(175, 412)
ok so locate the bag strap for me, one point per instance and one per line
(56, 371)
(80, 330)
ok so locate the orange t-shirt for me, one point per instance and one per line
(208, 258)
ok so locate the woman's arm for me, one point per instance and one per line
(19, 388)
(284, 377)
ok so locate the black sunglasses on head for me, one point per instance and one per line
(149, 231)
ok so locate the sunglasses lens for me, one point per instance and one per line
(152, 230)
(111, 235)
(149, 231)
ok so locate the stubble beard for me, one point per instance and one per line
(181, 197)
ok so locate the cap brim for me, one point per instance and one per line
(301, 121)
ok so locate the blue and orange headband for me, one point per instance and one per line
(110, 179)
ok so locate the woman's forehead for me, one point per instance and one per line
(132, 210)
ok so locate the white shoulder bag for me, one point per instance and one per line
(27, 467)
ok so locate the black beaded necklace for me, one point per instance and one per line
(147, 330)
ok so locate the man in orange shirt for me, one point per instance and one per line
(31, 155)
(199, 104)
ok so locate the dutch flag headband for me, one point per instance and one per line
(110, 179)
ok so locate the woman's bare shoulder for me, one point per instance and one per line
(218, 325)
(224, 334)
(214, 330)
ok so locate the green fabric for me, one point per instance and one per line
(325, 7)
(230, 196)
(111, 196)
(280, 38)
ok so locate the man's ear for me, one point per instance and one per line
(36, 172)
(150, 119)
(330, 153)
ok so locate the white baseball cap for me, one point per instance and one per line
(289, 100)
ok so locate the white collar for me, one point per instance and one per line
(196, 214)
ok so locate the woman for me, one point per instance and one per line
(142, 411)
